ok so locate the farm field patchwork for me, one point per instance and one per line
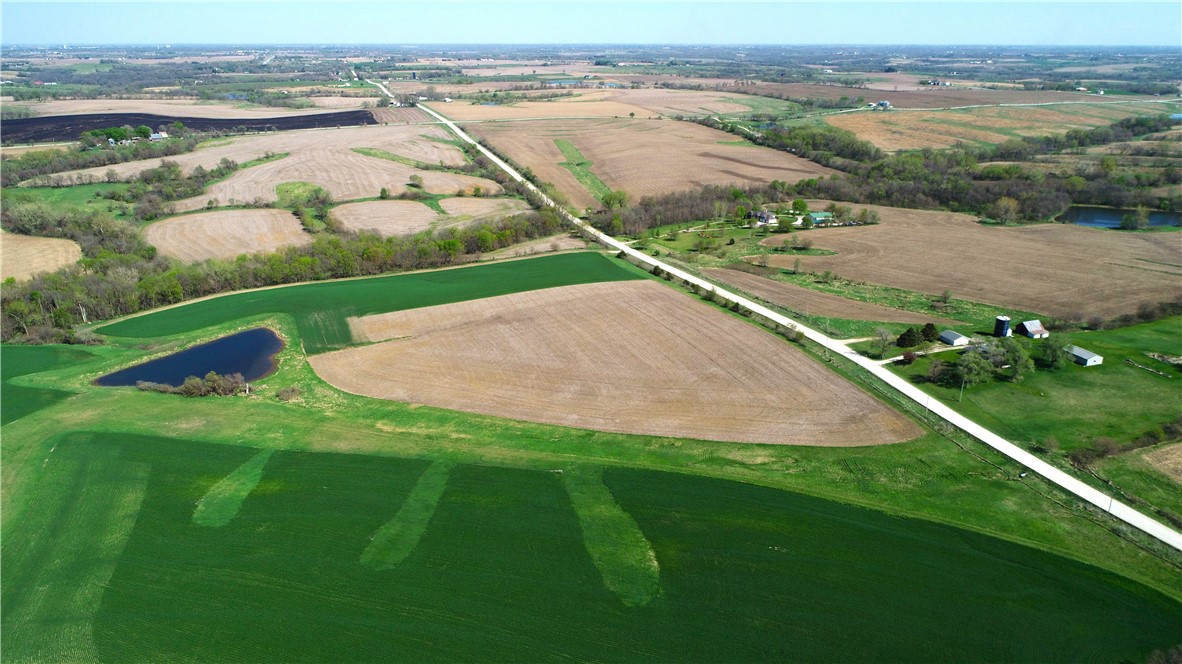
(321, 309)
(913, 129)
(690, 156)
(552, 356)
(929, 98)
(746, 572)
(225, 234)
(322, 157)
(1043, 268)
(22, 256)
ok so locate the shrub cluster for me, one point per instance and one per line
(213, 384)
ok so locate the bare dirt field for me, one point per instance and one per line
(905, 130)
(322, 157)
(225, 234)
(386, 218)
(680, 155)
(1057, 269)
(401, 115)
(482, 209)
(321, 144)
(22, 256)
(1168, 460)
(686, 369)
(192, 108)
(590, 105)
(389, 218)
(808, 301)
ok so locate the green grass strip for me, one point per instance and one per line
(578, 165)
(221, 503)
(397, 539)
(390, 156)
(617, 546)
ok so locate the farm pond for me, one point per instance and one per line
(1106, 217)
(250, 353)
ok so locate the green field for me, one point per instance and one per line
(85, 196)
(151, 527)
(17, 401)
(501, 572)
(578, 165)
(320, 309)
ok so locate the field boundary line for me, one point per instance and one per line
(1059, 477)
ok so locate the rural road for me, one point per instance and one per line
(1060, 478)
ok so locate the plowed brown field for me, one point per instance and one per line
(22, 256)
(225, 234)
(684, 369)
(319, 148)
(1057, 269)
(811, 302)
(386, 218)
(642, 157)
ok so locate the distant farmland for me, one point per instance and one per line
(906, 130)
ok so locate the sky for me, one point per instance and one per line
(951, 22)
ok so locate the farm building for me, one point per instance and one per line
(953, 338)
(821, 217)
(1001, 327)
(1084, 357)
(1033, 329)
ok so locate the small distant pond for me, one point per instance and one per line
(1105, 217)
(250, 353)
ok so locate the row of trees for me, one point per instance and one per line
(46, 308)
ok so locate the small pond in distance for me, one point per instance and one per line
(1106, 217)
(250, 353)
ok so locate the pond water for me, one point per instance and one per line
(1104, 217)
(250, 353)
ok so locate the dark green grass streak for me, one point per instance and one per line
(623, 556)
(397, 539)
(221, 504)
(58, 563)
(17, 401)
(501, 573)
(321, 309)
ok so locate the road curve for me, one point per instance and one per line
(1054, 475)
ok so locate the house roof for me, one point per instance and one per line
(820, 215)
(1081, 353)
(1034, 326)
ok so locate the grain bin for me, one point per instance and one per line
(1001, 327)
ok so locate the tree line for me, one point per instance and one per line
(91, 154)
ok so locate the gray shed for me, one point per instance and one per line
(1084, 357)
(953, 338)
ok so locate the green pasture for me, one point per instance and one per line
(84, 196)
(113, 567)
(16, 400)
(578, 165)
(321, 309)
(1075, 404)
(150, 527)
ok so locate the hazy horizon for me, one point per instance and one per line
(838, 23)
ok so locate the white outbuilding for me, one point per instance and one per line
(1084, 357)
(953, 338)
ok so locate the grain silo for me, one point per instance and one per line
(1001, 328)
